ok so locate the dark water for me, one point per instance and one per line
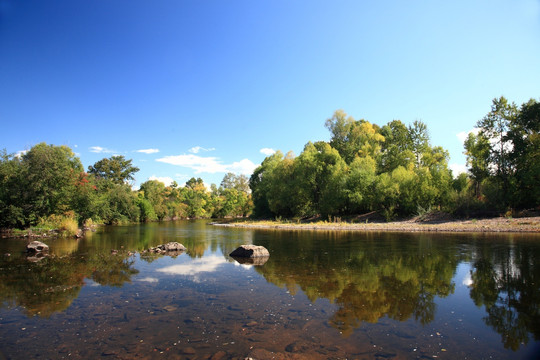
(320, 295)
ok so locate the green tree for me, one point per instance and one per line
(354, 138)
(197, 199)
(116, 169)
(238, 182)
(282, 195)
(397, 147)
(260, 182)
(418, 140)
(524, 134)
(146, 209)
(495, 127)
(120, 205)
(233, 197)
(48, 176)
(319, 180)
(155, 192)
(87, 201)
(360, 184)
(477, 150)
(11, 207)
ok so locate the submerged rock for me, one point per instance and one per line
(250, 251)
(36, 246)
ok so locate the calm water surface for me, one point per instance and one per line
(320, 295)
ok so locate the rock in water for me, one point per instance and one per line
(173, 246)
(250, 251)
(37, 246)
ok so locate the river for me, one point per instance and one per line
(320, 295)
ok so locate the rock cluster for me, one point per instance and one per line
(171, 248)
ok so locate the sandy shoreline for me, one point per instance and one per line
(496, 225)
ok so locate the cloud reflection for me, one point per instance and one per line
(195, 267)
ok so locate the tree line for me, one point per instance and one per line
(48, 183)
(395, 170)
(392, 169)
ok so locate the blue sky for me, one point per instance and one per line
(200, 88)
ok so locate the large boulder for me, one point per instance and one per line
(250, 251)
(36, 246)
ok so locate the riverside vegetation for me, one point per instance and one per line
(393, 170)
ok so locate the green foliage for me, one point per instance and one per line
(119, 205)
(418, 140)
(392, 169)
(38, 184)
(504, 157)
(360, 183)
(353, 138)
(397, 148)
(48, 176)
(42, 186)
(65, 224)
(260, 182)
(147, 210)
(115, 169)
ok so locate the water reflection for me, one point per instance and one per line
(506, 282)
(373, 279)
(50, 285)
(339, 285)
(206, 264)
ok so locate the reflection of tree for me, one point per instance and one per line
(41, 288)
(112, 270)
(52, 284)
(367, 279)
(506, 284)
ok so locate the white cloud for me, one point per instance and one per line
(20, 153)
(164, 179)
(244, 167)
(100, 150)
(267, 151)
(148, 279)
(210, 165)
(198, 149)
(457, 169)
(462, 136)
(198, 163)
(148, 151)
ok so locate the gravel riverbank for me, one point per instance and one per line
(499, 224)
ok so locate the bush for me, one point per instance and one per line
(66, 225)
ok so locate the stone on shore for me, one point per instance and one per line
(250, 251)
(37, 246)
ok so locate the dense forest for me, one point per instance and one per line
(48, 186)
(393, 170)
(396, 171)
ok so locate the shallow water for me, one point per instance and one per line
(320, 295)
